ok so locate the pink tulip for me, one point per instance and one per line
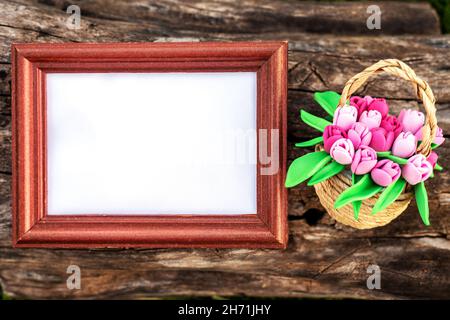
(331, 134)
(385, 172)
(359, 134)
(371, 118)
(379, 105)
(411, 120)
(417, 169)
(405, 145)
(345, 116)
(438, 139)
(391, 123)
(381, 139)
(342, 151)
(364, 161)
(360, 103)
(432, 158)
(368, 103)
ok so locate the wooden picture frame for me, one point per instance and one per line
(33, 227)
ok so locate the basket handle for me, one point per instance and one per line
(423, 90)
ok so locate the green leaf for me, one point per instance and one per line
(365, 188)
(356, 209)
(356, 204)
(326, 172)
(328, 100)
(438, 167)
(434, 145)
(389, 195)
(304, 167)
(422, 202)
(314, 121)
(310, 143)
(392, 157)
(355, 178)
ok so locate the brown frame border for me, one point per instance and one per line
(32, 227)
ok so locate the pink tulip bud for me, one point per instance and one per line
(342, 151)
(359, 134)
(371, 118)
(411, 120)
(438, 139)
(381, 139)
(364, 160)
(391, 123)
(417, 169)
(385, 172)
(405, 145)
(360, 103)
(331, 134)
(345, 116)
(379, 105)
(432, 158)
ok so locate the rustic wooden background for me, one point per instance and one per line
(328, 44)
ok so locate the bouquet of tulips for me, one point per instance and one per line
(378, 148)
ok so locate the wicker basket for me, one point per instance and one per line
(330, 189)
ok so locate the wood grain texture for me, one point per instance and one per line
(324, 258)
(258, 16)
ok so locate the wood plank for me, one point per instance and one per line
(103, 21)
(258, 17)
(321, 261)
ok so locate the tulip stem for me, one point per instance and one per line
(383, 153)
(391, 157)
